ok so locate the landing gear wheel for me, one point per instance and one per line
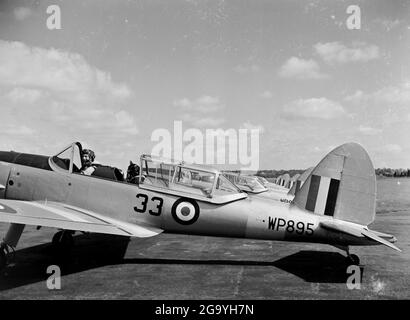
(353, 259)
(3, 259)
(63, 241)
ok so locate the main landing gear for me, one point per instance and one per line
(63, 241)
(4, 251)
(10, 242)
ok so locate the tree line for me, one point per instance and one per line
(389, 172)
(384, 172)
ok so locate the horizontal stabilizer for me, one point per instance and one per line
(371, 235)
(360, 232)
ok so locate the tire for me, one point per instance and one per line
(62, 242)
(353, 260)
(3, 259)
(56, 238)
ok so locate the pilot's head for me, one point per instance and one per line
(88, 157)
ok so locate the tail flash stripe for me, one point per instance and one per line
(297, 186)
(312, 193)
(332, 197)
(322, 195)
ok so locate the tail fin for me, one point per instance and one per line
(300, 181)
(293, 180)
(342, 185)
(285, 180)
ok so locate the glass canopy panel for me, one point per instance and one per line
(191, 179)
(69, 159)
(63, 159)
(224, 185)
(194, 181)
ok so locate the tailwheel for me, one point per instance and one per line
(63, 241)
(350, 258)
(353, 259)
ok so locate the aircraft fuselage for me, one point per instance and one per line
(252, 217)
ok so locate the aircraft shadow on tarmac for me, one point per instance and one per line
(98, 250)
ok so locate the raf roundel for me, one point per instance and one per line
(185, 211)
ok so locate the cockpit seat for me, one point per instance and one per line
(107, 172)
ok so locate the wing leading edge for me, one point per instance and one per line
(63, 216)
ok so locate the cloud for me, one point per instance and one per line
(320, 108)
(397, 94)
(356, 97)
(392, 94)
(24, 95)
(183, 103)
(207, 122)
(61, 97)
(243, 69)
(386, 108)
(266, 94)
(336, 52)
(392, 148)
(369, 130)
(21, 13)
(301, 69)
(201, 111)
(249, 126)
(388, 24)
(204, 104)
(8, 129)
(59, 71)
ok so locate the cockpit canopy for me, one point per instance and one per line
(195, 181)
(249, 184)
(69, 160)
(160, 175)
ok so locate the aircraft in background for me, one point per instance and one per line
(263, 181)
(254, 187)
(300, 181)
(246, 183)
(261, 188)
(334, 206)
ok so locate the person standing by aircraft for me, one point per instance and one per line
(88, 157)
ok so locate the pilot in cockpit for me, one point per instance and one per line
(88, 157)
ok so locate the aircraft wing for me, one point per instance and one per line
(63, 216)
(362, 232)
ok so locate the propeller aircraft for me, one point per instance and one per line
(334, 206)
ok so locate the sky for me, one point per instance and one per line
(117, 71)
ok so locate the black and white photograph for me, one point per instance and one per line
(223, 151)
